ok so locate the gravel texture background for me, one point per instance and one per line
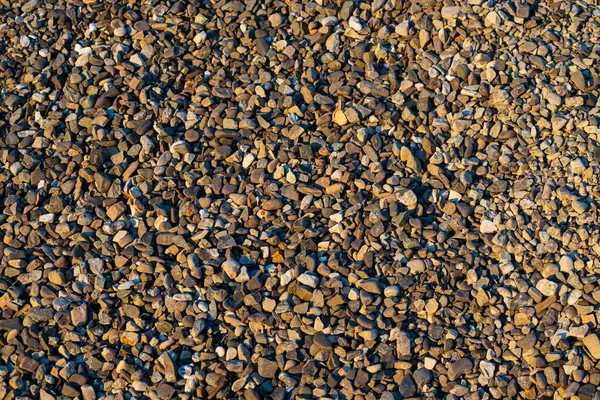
(299, 199)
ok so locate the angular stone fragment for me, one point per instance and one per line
(546, 287)
(407, 387)
(488, 226)
(403, 344)
(28, 364)
(102, 182)
(371, 286)
(267, 368)
(458, 368)
(493, 19)
(79, 315)
(320, 343)
(231, 268)
(407, 197)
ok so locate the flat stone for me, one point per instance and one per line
(28, 364)
(308, 280)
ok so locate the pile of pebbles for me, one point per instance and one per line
(213, 199)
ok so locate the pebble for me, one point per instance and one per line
(407, 197)
(267, 368)
(546, 287)
(355, 24)
(488, 226)
(231, 268)
(407, 387)
(459, 368)
(450, 12)
(422, 376)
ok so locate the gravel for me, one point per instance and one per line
(297, 200)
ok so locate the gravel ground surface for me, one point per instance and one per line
(299, 199)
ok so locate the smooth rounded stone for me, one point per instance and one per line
(355, 23)
(144, 127)
(272, 204)
(24, 41)
(121, 31)
(30, 6)
(140, 386)
(262, 46)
